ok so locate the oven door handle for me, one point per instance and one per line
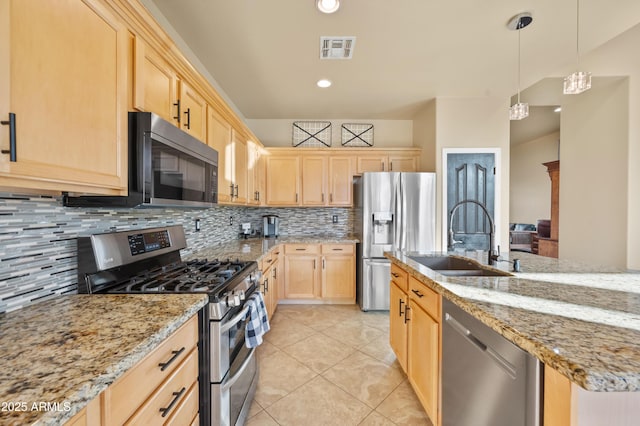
(233, 321)
(234, 379)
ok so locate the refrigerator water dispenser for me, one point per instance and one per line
(382, 228)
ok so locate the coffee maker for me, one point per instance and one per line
(271, 226)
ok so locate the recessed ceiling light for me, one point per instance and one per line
(328, 6)
(558, 109)
(324, 83)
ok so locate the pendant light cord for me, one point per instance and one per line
(577, 34)
(519, 29)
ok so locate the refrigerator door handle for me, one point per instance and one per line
(399, 236)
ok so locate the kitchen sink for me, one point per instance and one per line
(457, 267)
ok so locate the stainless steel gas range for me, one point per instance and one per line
(149, 261)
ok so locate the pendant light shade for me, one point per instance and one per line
(579, 81)
(519, 110)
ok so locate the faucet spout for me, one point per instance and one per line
(494, 253)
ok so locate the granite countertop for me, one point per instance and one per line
(254, 248)
(580, 319)
(67, 350)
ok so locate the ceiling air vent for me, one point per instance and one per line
(337, 47)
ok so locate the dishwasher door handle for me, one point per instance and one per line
(496, 357)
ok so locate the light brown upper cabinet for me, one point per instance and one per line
(156, 84)
(314, 182)
(193, 110)
(255, 173)
(389, 162)
(340, 181)
(63, 68)
(159, 89)
(283, 180)
(240, 167)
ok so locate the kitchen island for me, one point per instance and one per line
(582, 321)
(59, 355)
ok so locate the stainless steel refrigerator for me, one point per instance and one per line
(394, 211)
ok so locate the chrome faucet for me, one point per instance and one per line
(494, 253)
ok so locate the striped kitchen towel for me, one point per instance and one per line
(258, 321)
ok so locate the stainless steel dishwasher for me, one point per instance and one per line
(486, 380)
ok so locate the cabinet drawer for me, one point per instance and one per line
(187, 410)
(400, 277)
(302, 248)
(130, 391)
(428, 299)
(265, 261)
(338, 249)
(171, 395)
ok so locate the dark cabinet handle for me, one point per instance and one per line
(337, 249)
(406, 317)
(258, 196)
(417, 293)
(176, 398)
(331, 198)
(382, 166)
(395, 275)
(188, 114)
(301, 249)
(323, 263)
(391, 166)
(12, 137)
(164, 365)
(296, 197)
(177, 105)
(400, 313)
(314, 264)
(265, 286)
(236, 191)
(232, 188)
(275, 273)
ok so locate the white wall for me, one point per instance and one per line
(530, 186)
(386, 133)
(424, 136)
(594, 174)
(475, 123)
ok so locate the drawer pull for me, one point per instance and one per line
(406, 314)
(337, 249)
(176, 398)
(400, 313)
(417, 293)
(300, 249)
(395, 275)
(12, 137)
(164, 365)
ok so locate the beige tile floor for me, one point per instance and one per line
(331, 365)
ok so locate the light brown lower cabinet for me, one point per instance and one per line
(268, 282)
(415, 337)
(322, 273)
(160, 389)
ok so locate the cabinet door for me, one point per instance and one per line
(219, 134)
(403, 164)
(267, 290)
(398, 324)
(64, 67)
(301, 277)
(253, 158)
(338, 278)
(372, 164)
(340, 181)
(424, 358)
(193, 111)
(155, 85)
(283, 181)
(314, 172)
(240, 168)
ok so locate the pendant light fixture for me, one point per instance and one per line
(519, 110)
(579, 81)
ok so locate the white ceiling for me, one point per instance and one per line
(265, 54)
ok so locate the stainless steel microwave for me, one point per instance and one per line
(167, 168)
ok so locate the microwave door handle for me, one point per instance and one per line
(232, 380)
(235, 320)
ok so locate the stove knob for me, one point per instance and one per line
(242, 295)
(236, 299)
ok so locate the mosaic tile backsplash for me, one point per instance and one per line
(38, 257)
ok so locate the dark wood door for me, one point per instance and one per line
(471, 177)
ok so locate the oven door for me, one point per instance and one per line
(231, 399)
(227, 339)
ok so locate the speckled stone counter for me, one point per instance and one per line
(582, 320)
(67, 350)
(255, 248)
